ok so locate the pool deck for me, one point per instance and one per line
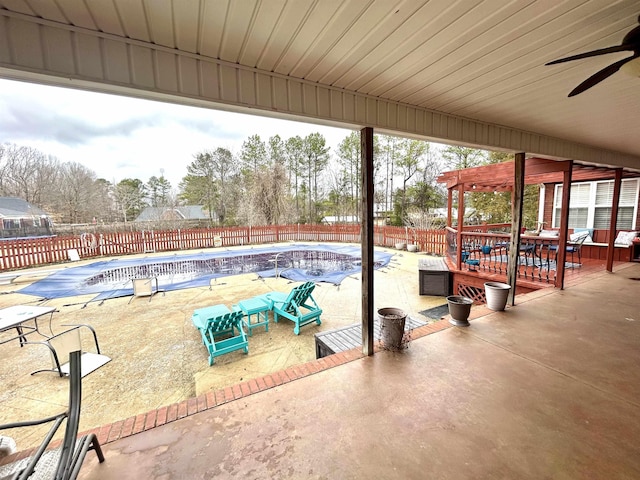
(158, 361)
(546, 389)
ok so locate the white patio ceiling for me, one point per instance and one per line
(466, 71)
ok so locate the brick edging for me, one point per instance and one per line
(206, 401)
(138, 423)
(167, 414)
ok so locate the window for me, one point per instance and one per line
(11, 223)
(578, 205)
(590, 205)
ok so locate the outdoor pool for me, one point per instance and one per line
(114, 278)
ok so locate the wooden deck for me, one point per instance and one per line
(346, 338)
(470, 281)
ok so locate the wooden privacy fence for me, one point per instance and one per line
(29, 252)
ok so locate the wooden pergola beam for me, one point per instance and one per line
(499, 176)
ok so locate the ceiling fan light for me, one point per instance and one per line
(632, 68)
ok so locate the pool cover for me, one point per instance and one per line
(114, 278)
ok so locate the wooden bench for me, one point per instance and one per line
(598, 251)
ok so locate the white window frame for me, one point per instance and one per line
(591, 205)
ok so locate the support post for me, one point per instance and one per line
(617, 185)
(366, 157)
(460, 225)
(517, 196)
(564, 225)
(449, 206)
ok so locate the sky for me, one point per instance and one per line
(120, 137)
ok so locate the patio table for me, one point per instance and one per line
(17, 317)
(257, 307)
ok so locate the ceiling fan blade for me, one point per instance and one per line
(600, 76)
(593, 53)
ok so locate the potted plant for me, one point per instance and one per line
(496, 294)
(459, 310)
(412, 245)
(392, 321)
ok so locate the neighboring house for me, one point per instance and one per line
(188, 212)
(19, 219)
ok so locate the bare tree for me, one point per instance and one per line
(27, 173)
(269, 195)
(77, 195)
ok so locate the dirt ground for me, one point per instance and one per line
(157, 355)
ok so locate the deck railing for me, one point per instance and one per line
(489, 252)
(28, 252)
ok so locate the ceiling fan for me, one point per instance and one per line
(631, 42)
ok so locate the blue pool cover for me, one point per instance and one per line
(114, 278)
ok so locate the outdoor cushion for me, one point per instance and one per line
(580, 236)
(625, 238)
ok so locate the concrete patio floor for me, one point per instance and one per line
(547, 389)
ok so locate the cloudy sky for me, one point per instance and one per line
(119, 137)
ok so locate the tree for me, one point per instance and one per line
(211, 181)
(198, 187)
(27, 173)
(315, 160)
(77, 195)
(269, 194)
(253, 155)
(105, 206)
(458, 158)
(224, 172)
(340, 201)
(277, 150)
(390, 152)
(294, 157)
(349, 178)
(159, 190)
(129, 195)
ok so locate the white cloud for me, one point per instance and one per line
(120, 137)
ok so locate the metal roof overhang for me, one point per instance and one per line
(462, 72)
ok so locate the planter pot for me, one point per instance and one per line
(412, 248)
(392, 322)
(400, 246)
(459, 309)
(496, 294)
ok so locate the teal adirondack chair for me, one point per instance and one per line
(221, 330)
(299, 306)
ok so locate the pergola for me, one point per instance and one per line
(512, 177)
